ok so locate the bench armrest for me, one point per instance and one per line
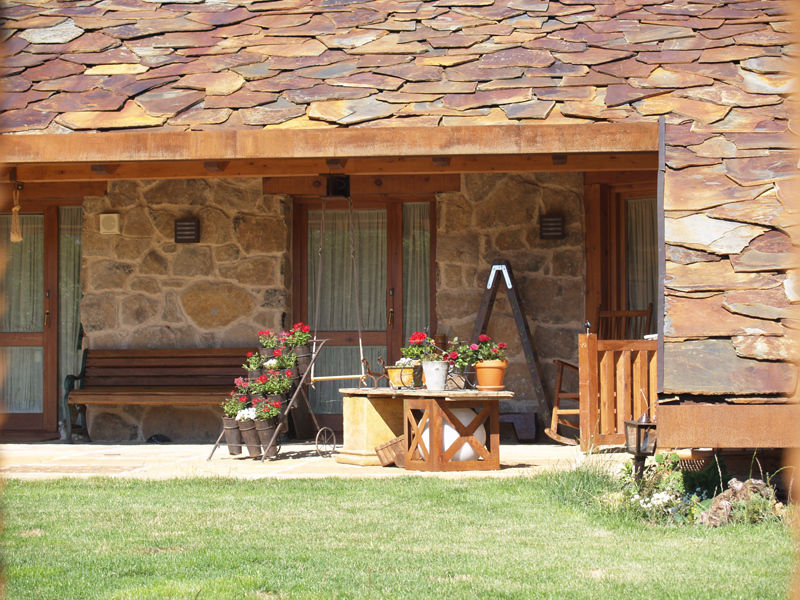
(66, 413)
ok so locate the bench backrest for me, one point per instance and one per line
(164, 367)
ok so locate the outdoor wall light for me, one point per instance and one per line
(187, 231)
(640, 440)
(551, 227)
(109, 223)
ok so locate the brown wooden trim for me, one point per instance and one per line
(728, 425)
(23, 422)
(434, 230)
(233, 145)
(594, 251)
(662, 253)
(394, 276)
(50, 330)
(362, 185)
(385, 166)
(36, 197)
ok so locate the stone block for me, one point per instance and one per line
(713, 367)
(685, 256)
(261, 235)
(458, 303)
(95, 204)
(762, 304)
(556, 341)
(104, 426)
(153, 264)
(124, 194)
(183, 424)
(276, 298)
(172, 310)
(108, 274)
(767, 348)
(455, 212)
(164, 222)
(96, 244)
(145, 284)
(192, 260)
(226, 254)
(458, 248)
(138, 309)
(180, 192)
(129, 248)
(210, 305)
(136, 223)
(215, 226)
(450, 276)
(98, 312)
(568, 262)
(254, 271)
(712, 235)
(715, 276)
(552, 300)
(512, 239)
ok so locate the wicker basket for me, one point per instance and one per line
(392, 452)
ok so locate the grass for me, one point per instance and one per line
(409, 537)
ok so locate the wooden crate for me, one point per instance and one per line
(392, 452)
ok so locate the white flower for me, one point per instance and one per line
(245, 414)
(271, 363)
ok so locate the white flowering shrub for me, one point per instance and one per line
(246, 414)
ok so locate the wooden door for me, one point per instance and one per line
(28, 327)
(383, 243)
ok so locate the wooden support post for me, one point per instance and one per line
(588, 389)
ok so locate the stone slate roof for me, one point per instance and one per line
(92, 65)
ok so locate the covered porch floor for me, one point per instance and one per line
(47, 460)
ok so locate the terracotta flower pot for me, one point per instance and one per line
(490, 374)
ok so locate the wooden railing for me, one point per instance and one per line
(617, 382)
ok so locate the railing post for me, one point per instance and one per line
(587, 388)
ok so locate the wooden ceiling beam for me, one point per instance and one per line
(368, 142)
(403, 165)
(366, 184)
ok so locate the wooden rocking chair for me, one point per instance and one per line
(612, 325)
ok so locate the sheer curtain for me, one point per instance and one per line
(642, 253)
(23, 294)
(337, 311)
(416, 267)
(69, 292)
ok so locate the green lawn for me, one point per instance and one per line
(409, 537)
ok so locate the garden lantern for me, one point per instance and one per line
(640, 440)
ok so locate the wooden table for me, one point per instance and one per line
(373, 416)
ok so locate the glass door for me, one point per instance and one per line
(40, 326)
(391, 240)
(24, 323)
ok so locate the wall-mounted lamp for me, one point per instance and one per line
(551, 227)
(187, 231)
(109, 223)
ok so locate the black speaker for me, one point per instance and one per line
(338, 185)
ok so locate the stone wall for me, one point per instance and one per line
(142, 290)
(497, 217)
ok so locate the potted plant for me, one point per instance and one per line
(285, 359)
(247, 426)
(490, 363)
(298, 339)
(434, 365)
(268, 340)
(267, 411)
(462, 360)
(252, 364)
(405, 373)
(230, 408)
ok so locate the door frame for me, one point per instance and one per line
(45, 199)
(393, 203)
(605, 196)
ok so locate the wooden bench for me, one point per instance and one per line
(151, 377)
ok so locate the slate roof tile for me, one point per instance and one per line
(715, 67)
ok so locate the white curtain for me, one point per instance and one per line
(23, 286)
(337, 311)
(69, 292)
(416, 267)
(642, 253)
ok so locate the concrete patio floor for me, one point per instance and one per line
(47, 460)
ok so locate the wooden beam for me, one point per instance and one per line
(527, 163)
(378, 142)
(724, 425)
(366, 185)
(37, 196)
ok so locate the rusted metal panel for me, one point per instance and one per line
(728, 425)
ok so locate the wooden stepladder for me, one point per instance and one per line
(501, 274)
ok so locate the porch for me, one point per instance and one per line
(48, 460)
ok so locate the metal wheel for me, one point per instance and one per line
(326, 441)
